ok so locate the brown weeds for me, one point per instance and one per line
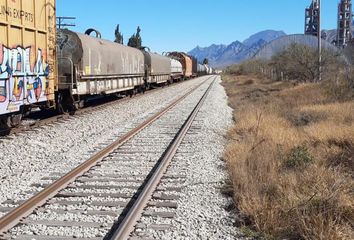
(290, 158)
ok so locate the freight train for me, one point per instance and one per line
(44, 67)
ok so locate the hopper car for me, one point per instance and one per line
(176, 70)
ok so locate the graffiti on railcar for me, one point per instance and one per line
(23, 77)
(16, 13)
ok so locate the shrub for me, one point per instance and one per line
(298, 157)
(297, 63)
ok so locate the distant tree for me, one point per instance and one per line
(206, 61)
(300, 62)
(119, 36)
(135, 40)
(297, 62)
(138, 37)
(132, 41)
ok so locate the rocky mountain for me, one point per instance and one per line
(212, 52)
(267, 36)
(224, 55)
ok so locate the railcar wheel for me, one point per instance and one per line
(5, 122)
(66, 104)
(59, 103)
(141, 89)
(15, 120)
(5, 126)
(81, 104)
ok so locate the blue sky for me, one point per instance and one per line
(181, 25)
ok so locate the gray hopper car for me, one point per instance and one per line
(158, 68)
(93, 66)
(202, 70)
(176, 69)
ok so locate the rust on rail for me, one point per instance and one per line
(14, 217)
(127, 225)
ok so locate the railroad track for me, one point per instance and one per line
(105, 196)
(51, 118)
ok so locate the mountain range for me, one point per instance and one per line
(223, 55)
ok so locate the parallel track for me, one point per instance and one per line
(63, 117)
(138, 201)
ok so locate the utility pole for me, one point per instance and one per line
(319, 43)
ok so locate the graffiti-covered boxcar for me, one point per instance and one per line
(27, 57)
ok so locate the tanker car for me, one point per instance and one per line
(41, 67)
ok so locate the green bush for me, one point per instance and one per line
(298, 157)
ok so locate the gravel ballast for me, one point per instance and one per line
(194, 180)
(150, 143)
(202, 208)
(58, 148)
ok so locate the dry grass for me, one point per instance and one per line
(291, 159)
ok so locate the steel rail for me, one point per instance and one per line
(135, 212)
(82, 111)
(79, 112)
(14, 217)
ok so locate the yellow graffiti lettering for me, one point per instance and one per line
(12, 108)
